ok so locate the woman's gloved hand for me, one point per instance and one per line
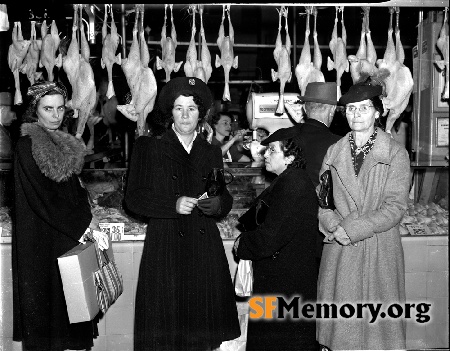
(209, 206)
(100, 237)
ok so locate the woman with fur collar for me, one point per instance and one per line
(51, 213)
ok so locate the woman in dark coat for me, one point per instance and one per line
(185, 297)
(282, 248)
(51, 215)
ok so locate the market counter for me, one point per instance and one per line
(426, 264)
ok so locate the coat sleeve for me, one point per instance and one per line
(327, 218)
(63, 206)
(283, 221)
(394, 204)
(226, 200)
(141, 196)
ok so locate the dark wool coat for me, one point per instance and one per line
(369, 207)
(49, 218)
(289, 228)
(185, 297)
(315, 138)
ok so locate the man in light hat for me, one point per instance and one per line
(314, 136)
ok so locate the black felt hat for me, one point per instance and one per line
(322, 92)
(183, 85)
(360, 92)
(280, 134)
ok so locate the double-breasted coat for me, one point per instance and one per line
(369, 207)
(185, 298)
(282, 250)
(49, 218)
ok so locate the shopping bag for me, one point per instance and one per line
(76, 268)
(108, 280)
(243, 282)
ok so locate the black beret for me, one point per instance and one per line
(183, 85)
(280, 134)
(360, 92)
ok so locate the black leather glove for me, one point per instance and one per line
(209, 206)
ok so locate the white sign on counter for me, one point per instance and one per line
(114, 230)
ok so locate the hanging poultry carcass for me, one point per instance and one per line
(442, 44)
(282, 56)
(80, 75)
(338, 49)
(50, 44)
(396, 78)
(16, 54)
(31, 61)
(362, 65)
(109, 47)
(307, 71)
(225, 44)
(168, 46)
(140, 78)
(190, 66)
(200, 69)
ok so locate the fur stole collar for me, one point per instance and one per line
(58, 155)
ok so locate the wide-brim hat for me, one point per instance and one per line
(322, 92)
(280, 134)
(183, 85)
(360, 92)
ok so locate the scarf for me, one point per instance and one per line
(58, 155)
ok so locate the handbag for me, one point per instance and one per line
(254, 216)
(108, 280)
(243, 282)
(326, 191)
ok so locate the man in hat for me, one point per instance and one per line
(314, 136)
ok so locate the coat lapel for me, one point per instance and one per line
(175, 151)
(342, 162)
(378, 154)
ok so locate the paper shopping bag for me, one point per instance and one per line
(243, 282)
(77, 267)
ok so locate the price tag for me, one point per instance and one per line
(114, 230)
(418, 229)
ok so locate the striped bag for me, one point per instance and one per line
(108, 280)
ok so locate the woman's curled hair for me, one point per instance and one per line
(290, 148)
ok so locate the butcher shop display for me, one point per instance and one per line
(140, 77)
(200, 69)
(227, 58)
(31, 61)
(282, 56)
(79, 73)
(308, 71)
(110, 42)
(442, 44)
(50, 44)
(338, 47)
(395, 76)
(362, 65)
(16, 54)
(168, 46)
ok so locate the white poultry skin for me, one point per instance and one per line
(80, 74)
(50, 43)
(442, 44)
(168, 45)
(338, 49)
(395, 76)
(194, 68)
(31, 61)
(307, 71)
(16, 54)
(362, 65)
(282, 56)
(140, 78)
(225, 44)
(110, 42)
